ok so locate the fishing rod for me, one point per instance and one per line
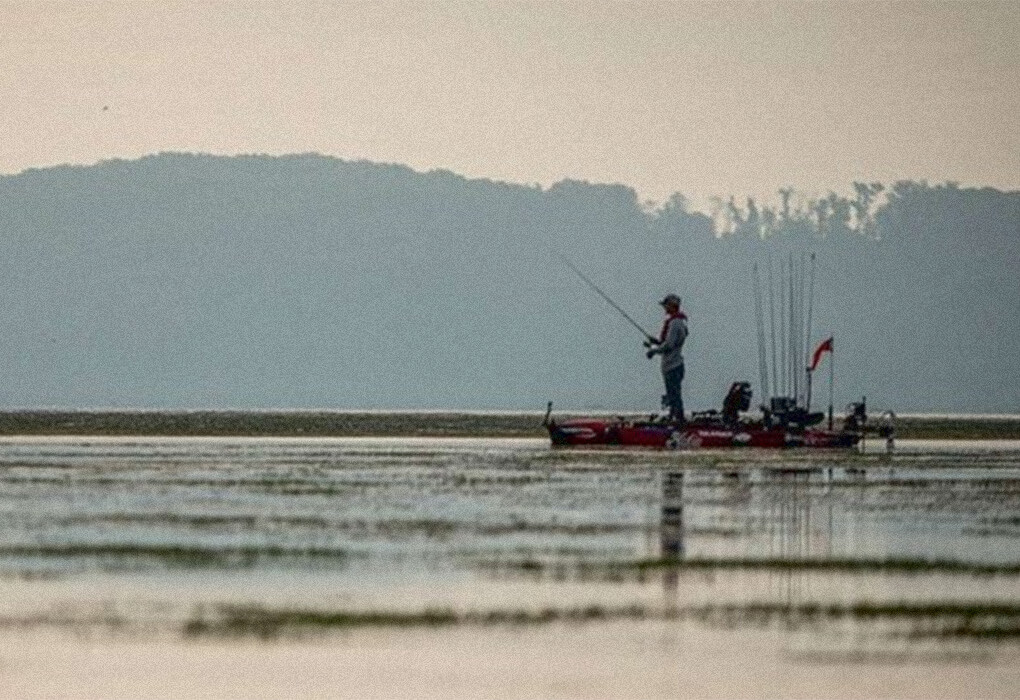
(759, 319)
(791, 337)
(648, 336)
(772, 321)
(798, 340)
(807, 336)
(784, 365)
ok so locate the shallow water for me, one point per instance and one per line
(213, 538)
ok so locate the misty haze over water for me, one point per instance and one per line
(255, 282)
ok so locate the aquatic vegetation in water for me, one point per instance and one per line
(611, 568)
(267, 623)
(172, 556)
(980, 621)
(273, 538)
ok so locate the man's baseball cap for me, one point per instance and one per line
(670, 299)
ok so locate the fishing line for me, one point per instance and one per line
(648, 336)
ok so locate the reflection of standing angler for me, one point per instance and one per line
(671, 534)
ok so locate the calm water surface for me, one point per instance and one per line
(176, 538)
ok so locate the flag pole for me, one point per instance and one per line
(832, 376)
(808, 402)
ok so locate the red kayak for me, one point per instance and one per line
(583, 432)
(784, 425)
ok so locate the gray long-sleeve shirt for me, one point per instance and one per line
(670, 349)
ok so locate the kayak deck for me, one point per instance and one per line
(583, 432)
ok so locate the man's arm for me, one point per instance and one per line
(676, 334)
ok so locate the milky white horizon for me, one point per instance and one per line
(697, 97)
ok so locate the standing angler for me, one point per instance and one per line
(669, 344)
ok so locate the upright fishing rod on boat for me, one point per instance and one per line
(791, 341)
(763, 372)
(649, 338)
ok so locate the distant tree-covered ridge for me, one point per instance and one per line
(181, 280)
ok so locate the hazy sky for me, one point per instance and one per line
(701, 97)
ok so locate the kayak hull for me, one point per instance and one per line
(616, 432)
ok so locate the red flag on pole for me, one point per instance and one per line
(823, 347)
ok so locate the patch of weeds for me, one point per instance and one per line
(873, 610)
(268, 623)
(984, 630)
(920, 566)
(976, 621)
(909, 566)
(172, 556)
